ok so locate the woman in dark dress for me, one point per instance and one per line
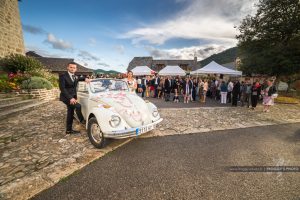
(235, 92)
(176, 88)
(255, 92)
(194, 91)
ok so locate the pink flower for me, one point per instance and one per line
(11, 75)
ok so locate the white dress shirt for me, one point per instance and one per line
(71, 76)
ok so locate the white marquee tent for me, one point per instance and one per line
(142, 71)
(215, 68)
(170, 70)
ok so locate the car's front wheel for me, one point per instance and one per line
(95, 134)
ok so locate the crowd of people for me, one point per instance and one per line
(198, 89)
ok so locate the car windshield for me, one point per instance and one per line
(103, 85)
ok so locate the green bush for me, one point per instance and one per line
(53, 80)
(20, 63)
(28, 65)
(47, 75)
(7, 85)
(36, 83)
(4, 77)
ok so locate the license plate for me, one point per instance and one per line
(144, 129)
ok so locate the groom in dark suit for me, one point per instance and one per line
(168, 88)
(67, 84)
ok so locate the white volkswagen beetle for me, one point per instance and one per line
(112, 111)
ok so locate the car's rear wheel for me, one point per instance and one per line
(95, 134)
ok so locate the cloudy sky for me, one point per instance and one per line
(107, 34)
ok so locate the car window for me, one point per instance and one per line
(102, 85)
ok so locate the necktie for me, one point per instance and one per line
(73, 77)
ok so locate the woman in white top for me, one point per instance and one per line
(132, 84)
(205, 88)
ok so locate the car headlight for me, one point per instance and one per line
(155, 112)
(114, 121)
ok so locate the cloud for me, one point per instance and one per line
(87, 56)
(58, 43)
(120, 49)
(51, 38)
(206, 19)
(33, 29)
(200, 52)
(92, 42)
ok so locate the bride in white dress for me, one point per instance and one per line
(131, 81)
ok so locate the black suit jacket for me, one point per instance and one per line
(68, 87)
(144, 82)
(168, 85)
(158, 81)
(272, 90)
(236, 88)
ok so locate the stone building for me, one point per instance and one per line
(59, 65)
(11, 35)
(157, 65)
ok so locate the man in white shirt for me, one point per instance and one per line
(156, 83)
(229, 89)
(218, 89)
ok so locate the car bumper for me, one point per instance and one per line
(132, 132)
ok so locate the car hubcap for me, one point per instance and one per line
(96, 133)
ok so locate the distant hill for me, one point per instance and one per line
(227, 56)
(101, 71)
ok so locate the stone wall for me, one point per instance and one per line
(11, 35)
(43, 94)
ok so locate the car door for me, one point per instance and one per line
(83, 97)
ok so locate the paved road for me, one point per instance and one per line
(160, 103)
(192, 167)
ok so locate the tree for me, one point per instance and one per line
(269, 42)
